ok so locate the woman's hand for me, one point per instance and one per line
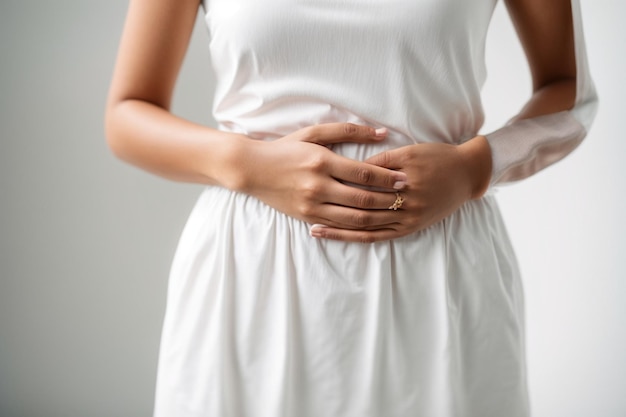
(441, 178)
(299, 176)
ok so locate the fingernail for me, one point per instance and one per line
(315, 230)
(381, 132)
(398, 185)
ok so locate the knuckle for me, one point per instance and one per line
(310, 190)
(350, 129)
(364, 200)
(331, 235)
(316, 163)
(417, 219)
(306, 209)
(420, 209)
(312, 132)
(360, 220)
(385, 158)
(366, 238)
(364, 176)
(388, 181)
(413, 222)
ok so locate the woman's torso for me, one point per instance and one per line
(415, 67)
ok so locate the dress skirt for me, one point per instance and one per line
(265, 321)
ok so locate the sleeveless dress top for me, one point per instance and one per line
(264, 321)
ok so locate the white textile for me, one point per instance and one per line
(264, 321)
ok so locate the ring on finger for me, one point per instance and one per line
(398, 203)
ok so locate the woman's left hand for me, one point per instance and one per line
(441, 177)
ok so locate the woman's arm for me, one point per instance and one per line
(139, 126)
(547, 37)
(556, 118)
(293, 174)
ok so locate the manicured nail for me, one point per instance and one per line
(381, 132)
(316, 230)
(401, 180)
(398, 185)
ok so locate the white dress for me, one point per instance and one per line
(264, 321)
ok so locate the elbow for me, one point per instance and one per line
(113, 132)
(586, 107)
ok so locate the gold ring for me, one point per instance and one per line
(398, 203)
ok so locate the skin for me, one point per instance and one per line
(297, 174)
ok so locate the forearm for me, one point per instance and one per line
(552, 98)
(150, 137)
(543, 132)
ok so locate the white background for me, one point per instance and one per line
(86, 241)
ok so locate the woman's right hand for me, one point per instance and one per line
(299, 176)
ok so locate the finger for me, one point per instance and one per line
(387, 159)
(348, 196)
(364, 174)
(333, 225)
(330, 133)
(351, 218)
(361, 236)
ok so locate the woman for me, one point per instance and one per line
(346, 257)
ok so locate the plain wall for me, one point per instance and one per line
(86, 241)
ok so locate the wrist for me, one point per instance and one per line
(476, 154)
(231, 162)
